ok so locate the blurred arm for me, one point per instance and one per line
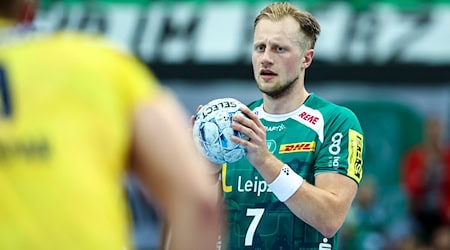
(166, 161)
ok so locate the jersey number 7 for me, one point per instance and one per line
(257, 214)
(5, 102)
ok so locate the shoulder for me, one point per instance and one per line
(335, 117)
(331, 111)
(81, 56)
(98, 52)
(88, 45)
(67, 44)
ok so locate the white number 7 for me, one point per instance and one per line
(257, 213)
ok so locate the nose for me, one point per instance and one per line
(266, 58)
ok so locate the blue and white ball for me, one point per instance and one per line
(212, 131)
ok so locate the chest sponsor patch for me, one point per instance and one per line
(297, 147)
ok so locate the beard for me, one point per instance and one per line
(281, 90)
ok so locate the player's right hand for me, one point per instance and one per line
(250, 125)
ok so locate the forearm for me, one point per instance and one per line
(193, 225)
(323, 205)
(196, 217)
(321, 209)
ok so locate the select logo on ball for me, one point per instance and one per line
(212, 131)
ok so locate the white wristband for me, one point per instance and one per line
(286, 184)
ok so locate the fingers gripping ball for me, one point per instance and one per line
(212, 131)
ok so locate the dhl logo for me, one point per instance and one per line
(298, 147)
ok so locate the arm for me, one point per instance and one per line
(165, 160)
(323, 205)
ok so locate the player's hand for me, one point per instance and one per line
(193, 116)
(250, 125)
(215, 168)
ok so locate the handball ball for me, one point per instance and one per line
(212, 131)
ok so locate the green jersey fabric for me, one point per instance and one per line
(316, 138)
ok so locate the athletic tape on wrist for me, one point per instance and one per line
(286, 184)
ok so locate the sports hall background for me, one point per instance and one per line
(389, 61)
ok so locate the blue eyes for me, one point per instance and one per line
(263, 48)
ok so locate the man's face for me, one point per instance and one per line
(276, 55)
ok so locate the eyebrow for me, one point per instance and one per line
(272, 44)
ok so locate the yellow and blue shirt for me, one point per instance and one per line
(66, 107)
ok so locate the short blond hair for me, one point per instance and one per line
(309, 26)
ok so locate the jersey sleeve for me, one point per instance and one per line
(342, 150)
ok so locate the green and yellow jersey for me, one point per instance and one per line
(66, 107)
(316, 138)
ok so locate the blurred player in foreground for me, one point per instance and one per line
(76, 115)
(304, 156)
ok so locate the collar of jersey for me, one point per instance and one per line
(280, 117)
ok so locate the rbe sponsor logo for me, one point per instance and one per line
(297, 147)
(220, 105)
(309, 118)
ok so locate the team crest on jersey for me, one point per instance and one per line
(297, 147)
(271, 146)
(355, 152)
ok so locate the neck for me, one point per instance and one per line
(286, 103)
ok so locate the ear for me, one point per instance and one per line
(27, 11)
(307, 58)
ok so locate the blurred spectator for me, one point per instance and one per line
(409, 242)
(426, 179)
(441, 238)
(365, 224)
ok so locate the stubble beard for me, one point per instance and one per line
(281, 90)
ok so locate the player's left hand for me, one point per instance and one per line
(250, 125)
